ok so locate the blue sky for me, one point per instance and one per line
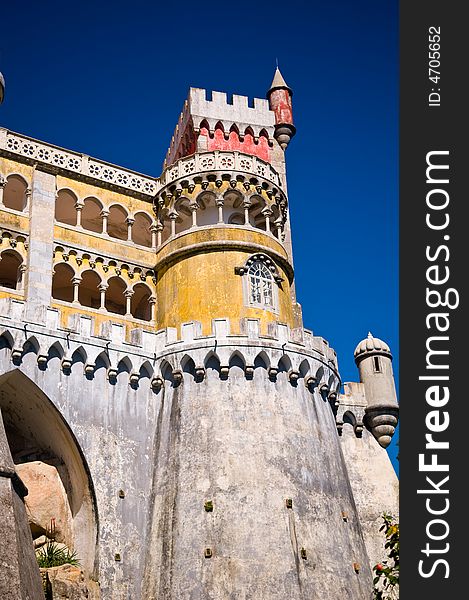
(109, 79)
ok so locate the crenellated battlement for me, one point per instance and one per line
(144, 352)
(238, 115)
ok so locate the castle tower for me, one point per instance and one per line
(280, 96)
(153, 350)
(374, 361)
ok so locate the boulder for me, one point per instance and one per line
(46, 500)
(65, 583)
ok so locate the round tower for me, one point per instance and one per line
(220, 243)
(250, 486)
(280, 102)
(374, 361)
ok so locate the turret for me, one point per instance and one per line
(279, 96)
(223, 239)
(374, 361)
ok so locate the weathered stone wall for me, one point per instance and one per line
(19, 573)
(247, 445)
(146, 432)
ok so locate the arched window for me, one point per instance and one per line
(62, 287)
(65, 211)
(115, 299)
(141, 233)
(88, 292)
(140, 305)
(261, 288)
(14, 193)
(10, 273)
(117, 223)
(91, 217)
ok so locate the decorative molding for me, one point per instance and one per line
(77, 164)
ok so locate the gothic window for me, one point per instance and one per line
(14, 193)
(62, 286)
(261, 288)
(65, 210)
(10, 274)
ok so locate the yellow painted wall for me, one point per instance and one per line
(203, 285)
(10, 167)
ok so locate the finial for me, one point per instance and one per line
(370, 335)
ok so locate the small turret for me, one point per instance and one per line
(279, 96)
(373, 359)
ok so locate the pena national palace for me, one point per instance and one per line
(166, 421)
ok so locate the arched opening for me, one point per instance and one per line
(10, 274)
(88, 293)
(261, 361)
(208, 212)
(65, 211)
(91, 217)
(48, 458)
(141, 233)
(140, 306)
(115, 299)
(117, 222)
(184, 218)
(233, 211)
(14, 193)
(62, 287)
(256, 217)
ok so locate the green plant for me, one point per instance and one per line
(386, 580)
(53, 555)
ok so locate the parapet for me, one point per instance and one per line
(296, 351)
(198, 109)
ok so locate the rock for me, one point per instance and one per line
(46, 500)
(66, 583)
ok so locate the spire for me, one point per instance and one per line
(278, 82)
(279, 96)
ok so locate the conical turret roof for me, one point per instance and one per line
(278, 82)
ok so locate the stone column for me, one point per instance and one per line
(172, 217)
(278, 225)
(267, 212)
(27, 193)
(129, 222)
(152, 302)
(220, 202)
(153, 230)
(102, 287)
(159, 231)
(194, 208)
(246, 206)
(79, 207)
(76, 283)
(104, 215)
(39, 273)
(128, 302)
